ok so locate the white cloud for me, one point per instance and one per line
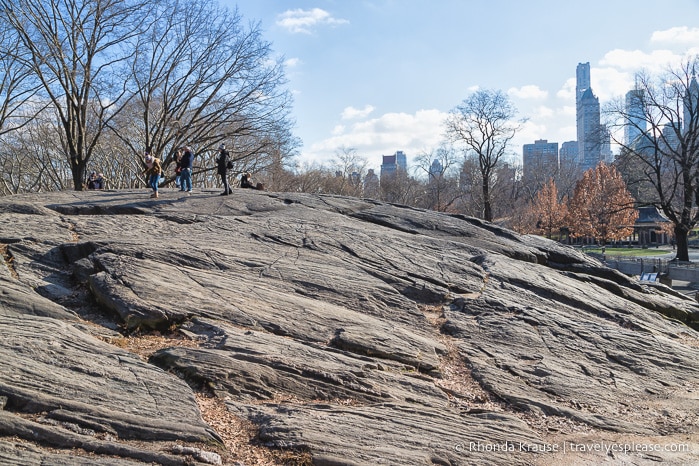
(384, 135)
(635, 60)
(543, 112)
(567, 110)
(608, 83)
(677, 35)
(351, 113)
(303, 21)
(292, 62)
(549, 123)
(567, 92)
(528, 92)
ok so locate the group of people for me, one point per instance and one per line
(183, 171)
(96, 181)
(223, 164)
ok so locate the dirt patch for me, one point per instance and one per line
(240, 437)
(9, 260)
(456, 380)
(146, 344)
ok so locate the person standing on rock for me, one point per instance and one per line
(153, 171)
(186, 173)
(223, 161)
(178, 168)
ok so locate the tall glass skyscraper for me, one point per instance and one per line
(636, 124)
(587, 112)
(691, 106)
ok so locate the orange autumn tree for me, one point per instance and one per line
(601, 206)
(547, 212)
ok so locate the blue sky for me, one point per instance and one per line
(380, 75)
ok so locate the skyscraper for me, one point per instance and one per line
(388, 166)
(392, 163)
(593, 137)
(401, 160)
(636, 124)
(568, 155)
(435, 170)
(691, 105)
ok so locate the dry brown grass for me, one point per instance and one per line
(240, 437)
(145, 345)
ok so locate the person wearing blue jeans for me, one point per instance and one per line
(186, 173)
(153, 171)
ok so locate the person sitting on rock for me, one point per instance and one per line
(246, 182)
(96, 181)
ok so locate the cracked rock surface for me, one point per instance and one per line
(346, 331)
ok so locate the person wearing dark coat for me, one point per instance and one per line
(186, 173)
(222, 165)
(246, 181)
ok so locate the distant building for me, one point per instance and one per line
(435, 170)
(402, 160)
(539, 160)
(392, 163)
(388, 166)
(651, 227)
(606, 154)
(568, 154)
(636, 124)
(371, 184)
(593, 137)
(691, 105)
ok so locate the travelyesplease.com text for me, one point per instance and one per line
(573, 447)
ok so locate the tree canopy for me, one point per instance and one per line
(484, 125)
(662, 157)
(152, 75)
(601, 207)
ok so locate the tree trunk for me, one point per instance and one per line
(487, 208)
(77, 167)
(682, 244)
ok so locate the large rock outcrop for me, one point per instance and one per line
(340, 331)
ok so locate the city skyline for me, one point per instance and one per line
(380, 76)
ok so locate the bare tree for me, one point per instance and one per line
(484, 125)
(77, 50)
(348, 169)
(664, 116)
(399, 188)
(17, 83)
(506, 190)
(441, 189)
(470, 200)
(277, 174)
(204, 77)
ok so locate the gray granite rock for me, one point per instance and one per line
(331, 323)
